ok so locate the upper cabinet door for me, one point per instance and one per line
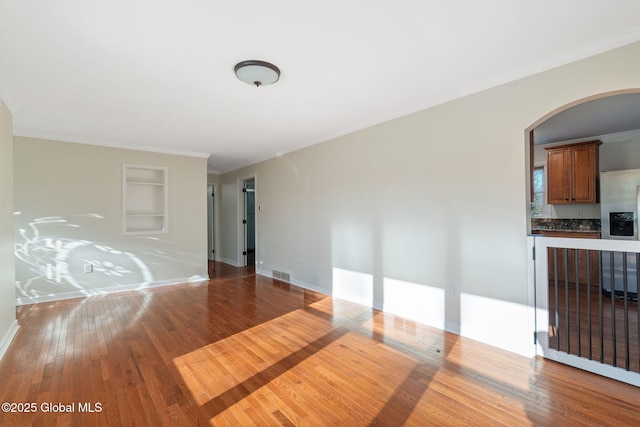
(584, 171)
(558, 176)
(573, 173)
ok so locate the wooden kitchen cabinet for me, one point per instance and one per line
(593, 273)
(572, 173)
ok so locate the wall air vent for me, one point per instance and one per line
(279, 275)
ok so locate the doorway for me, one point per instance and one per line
(577, 322)
(249, 222)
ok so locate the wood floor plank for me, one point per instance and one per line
(247, 350)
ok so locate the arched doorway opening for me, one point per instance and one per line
(611, 117)
(586, 287)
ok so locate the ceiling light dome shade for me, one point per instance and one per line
(257, 73)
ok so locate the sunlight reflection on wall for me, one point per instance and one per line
(54, 265)
(424, 304)
(353, 286)
(494, 322)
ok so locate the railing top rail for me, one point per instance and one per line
(583, 243)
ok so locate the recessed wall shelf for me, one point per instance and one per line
(145, 199)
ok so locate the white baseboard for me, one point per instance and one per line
(301, 284)
(311, 287)
(451, 327)
(83, 293)
(231, 262)
(8, 337)
(454, 328)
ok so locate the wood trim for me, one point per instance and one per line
(531, 168)
(574, 144)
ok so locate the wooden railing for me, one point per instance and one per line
(593, 318)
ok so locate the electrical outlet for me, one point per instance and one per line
(455, 291)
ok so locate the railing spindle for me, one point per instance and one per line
(556, 293)
(578, 325)
(638, 306)
(613, 312)
(601, 308)
(625, 295)
(566, 299)
(589, 331)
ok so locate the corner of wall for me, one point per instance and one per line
(8, 337)
(8, 322)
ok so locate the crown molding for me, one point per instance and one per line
(631, 135)
(102, 143)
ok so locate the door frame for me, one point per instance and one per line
(242, 238)
(212, 222)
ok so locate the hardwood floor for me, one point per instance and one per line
(247, 350)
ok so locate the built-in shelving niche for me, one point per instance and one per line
(144, 199)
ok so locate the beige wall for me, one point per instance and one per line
(425, 215)
(68, 205)
(213, 178)
(8, 324)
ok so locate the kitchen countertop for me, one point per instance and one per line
(556, 230)
(540, 225)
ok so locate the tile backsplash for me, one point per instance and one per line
(565, 224)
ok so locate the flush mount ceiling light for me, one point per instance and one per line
(257, 73)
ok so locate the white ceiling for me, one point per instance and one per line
(159, 74)
(595, 118)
